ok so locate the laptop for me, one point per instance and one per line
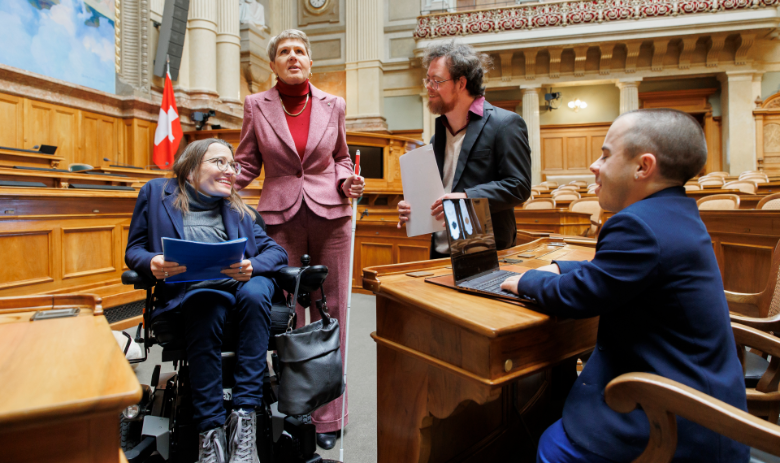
(473, 252)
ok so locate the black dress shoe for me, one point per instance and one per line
(326, 440)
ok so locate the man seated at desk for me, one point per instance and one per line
(655, 283)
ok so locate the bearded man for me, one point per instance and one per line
(482, 151)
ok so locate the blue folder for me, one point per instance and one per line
(203, 260)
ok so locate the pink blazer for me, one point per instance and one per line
(265, 139)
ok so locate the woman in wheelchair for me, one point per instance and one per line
(200, 204)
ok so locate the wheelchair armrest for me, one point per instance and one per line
(131, 277)
(313, 277)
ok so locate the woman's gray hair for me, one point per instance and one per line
(294, 34)
(462, 61)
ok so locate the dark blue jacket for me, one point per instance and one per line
(156, 217)
(655, 284)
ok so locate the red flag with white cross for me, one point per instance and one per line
(168, 134)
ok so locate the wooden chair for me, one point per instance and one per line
(550, 184)
(752, 172)
(716, 181)
(745, 186)
(579, 183)
(566, 196)
(718, 174)
(769, 202)
(692, 187)
(591, 206)
(758, 178)
(662, 399)
(568, 187)
(541, 203)
(539, 189)
(718, 203)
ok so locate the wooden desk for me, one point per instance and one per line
(142, 175)
(63, 179)
(560, 221)
(30, 158)
(64, 383)
(447, 362)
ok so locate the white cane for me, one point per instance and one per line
(349, 305)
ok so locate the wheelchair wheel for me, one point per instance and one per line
(129, 432)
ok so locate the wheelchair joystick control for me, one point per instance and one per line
(305, 260)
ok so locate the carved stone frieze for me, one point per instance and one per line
(659, 54)
(742, 52)
(506, 66)
(688, 45)
(555, 62)
(580, 55)
(605, 64)
(530, 64)
(566, 13)
(632, 53)
(716, 46)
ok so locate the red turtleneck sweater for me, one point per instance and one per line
(294, 99)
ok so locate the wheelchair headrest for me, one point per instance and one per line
(311, 280)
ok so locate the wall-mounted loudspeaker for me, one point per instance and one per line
(171, 43)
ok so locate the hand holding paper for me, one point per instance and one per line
(422, 188)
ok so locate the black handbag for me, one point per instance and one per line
(312, 372)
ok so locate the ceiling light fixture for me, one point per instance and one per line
(577, 104)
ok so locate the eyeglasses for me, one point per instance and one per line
(433, 83)
(222, 165)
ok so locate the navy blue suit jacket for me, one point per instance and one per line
(655, 284)
(156, 217)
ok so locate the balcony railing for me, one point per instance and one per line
(564, 13)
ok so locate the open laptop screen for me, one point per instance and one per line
(470, 234)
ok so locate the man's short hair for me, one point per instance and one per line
(674, 137)
(462, 61)
(294, 34)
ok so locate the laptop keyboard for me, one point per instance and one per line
(490, 283)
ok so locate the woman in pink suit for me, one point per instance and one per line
(298, 132)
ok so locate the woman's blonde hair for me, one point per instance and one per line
(189, 162)
(294, 34)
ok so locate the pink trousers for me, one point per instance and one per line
(327, 242)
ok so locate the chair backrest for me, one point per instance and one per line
(591, 206)
(567, 196)
(769, 202)
(717, 174)
(745, 186)
(579, 183)
(539, 190)
(718, 203)
(550, 184)
(711, 181)
(568, 187)
(758, 178)
(692, 187)
(541, 203)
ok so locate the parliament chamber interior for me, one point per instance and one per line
(99, 99)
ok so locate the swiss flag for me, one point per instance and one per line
(168, 134)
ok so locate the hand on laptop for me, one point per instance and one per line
(510, 284)
(437, 209)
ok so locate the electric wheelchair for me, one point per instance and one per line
(160, 427)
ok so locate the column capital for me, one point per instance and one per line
(528, 88)
(628, 83)
(736, 76)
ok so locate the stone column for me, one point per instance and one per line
(531, 117)
(202, 31)
(739, 128)
(629, 94)
(228, 51)
(365, 89)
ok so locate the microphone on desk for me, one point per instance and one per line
(120, 165)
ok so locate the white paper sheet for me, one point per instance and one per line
(422, 186)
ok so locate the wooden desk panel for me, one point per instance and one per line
(65, 381)
(560, 221)
(447, 360)
(10, 158)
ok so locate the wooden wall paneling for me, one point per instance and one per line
(123, 233)
(712, 132)
(99, 138)
(30, 254)
(767, 118)
(139, 141)
(570, 149)
(12, 121)
(410, 253)
(39, 124)
(87, 251)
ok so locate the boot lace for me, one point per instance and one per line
(242, 439)
(212, 448)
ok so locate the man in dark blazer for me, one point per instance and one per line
(655, 284)
(482, 151)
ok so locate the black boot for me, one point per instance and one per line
(326, 440)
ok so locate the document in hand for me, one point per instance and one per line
(203, 260)
(422, 186)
